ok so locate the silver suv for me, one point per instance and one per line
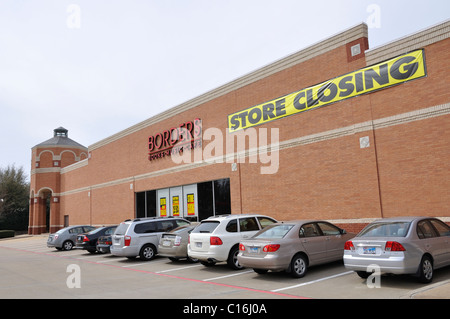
(140, 237)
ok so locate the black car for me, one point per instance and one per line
(104, 244)
(88, 241)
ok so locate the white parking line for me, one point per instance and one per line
(237, 274)
(175, 269)
(107, 260)
(314, 281)
(88, 256)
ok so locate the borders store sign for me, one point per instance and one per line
(379, 76)
(186, 136)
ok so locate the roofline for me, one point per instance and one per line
(321, 47)
(419, 39)
(416, 40)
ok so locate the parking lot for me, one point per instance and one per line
(28, 269)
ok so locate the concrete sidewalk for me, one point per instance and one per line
(439, 290)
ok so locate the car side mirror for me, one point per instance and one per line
(343, 231)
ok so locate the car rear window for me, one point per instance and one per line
(274, 232)
(206, 227)
(121, 229)
(391, 229)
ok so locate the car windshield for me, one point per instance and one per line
(121, 229)
(274, 231)
(385, 229)
(206, 227)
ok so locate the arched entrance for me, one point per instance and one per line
(45, 212)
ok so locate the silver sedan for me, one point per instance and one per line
(293, 246)
(404, 245)
(65, 238)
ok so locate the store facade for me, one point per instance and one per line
(335, 131)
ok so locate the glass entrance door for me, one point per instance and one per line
(180, 201)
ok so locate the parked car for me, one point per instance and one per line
(140, 237)
(403, 245)
(217, 238)
(293, 246)
(173, 244)
(88, 241)
(104, 244)
(65, 238)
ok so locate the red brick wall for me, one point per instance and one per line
(403, 172)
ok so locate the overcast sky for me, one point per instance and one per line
(97, 67)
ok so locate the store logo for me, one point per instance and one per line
(175, 140)
(189, 143)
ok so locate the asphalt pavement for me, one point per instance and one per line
(438, 290)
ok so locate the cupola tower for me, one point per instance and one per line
(47, 160)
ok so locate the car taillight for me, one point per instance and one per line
(271, 248)
(394, 246)
(127, 240)
(85, 239)
(215, 240)
(241, 247)
(177, 241)
(349, 245)
(108, 242)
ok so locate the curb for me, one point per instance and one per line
(439, 290)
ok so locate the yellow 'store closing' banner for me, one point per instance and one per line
(394, 71)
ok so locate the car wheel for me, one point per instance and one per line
(67, 245)
(426, 270)
(260, 271)
(148, 252)
(299, 265)
(233, 261)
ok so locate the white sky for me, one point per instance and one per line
(124, 61)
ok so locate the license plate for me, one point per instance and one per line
(166, 243)
(253, 250)
(198, 244)
(369, 250)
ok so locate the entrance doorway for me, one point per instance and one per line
(194, 202)
(180, 201)
(46, 211)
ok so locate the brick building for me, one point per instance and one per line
(336, 131)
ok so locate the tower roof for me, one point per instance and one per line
(60, 138)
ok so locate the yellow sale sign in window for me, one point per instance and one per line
(162, 207)
(175, 206)
(190, 205)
